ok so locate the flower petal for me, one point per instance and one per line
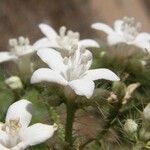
(115, 38)
(48, 75)
(20, 146)
(48, 31)
(4, 139)
(37, 133)
(101, 26)
(82, 87)
(143, 41)
(6, 56)
(52, 58)
(44, 43)
(88, 43)
(3, 148)
(21, 110)
(103, 73)
(143, 36)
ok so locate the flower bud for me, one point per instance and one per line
(146, 113)
(130, 126)
(119, 89)
(14, 82)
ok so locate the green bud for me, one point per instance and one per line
(130, 126)
(119, 88)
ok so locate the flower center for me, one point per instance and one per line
(12, 128)
(67, 41)
(130, 28)
(18, 46)
(77, 64)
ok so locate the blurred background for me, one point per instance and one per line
(21, 17)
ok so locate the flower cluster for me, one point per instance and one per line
(69, 64)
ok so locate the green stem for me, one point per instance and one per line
(71, 109)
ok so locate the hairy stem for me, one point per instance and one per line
(71, 109)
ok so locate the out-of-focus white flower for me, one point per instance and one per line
(125, 31)
(14, 82)
(64, 41)
(18, 47)
(15, 133)
(72, 71)
(130, 126)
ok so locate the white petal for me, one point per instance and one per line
(48, 31)
(115, 38)
(44, 43)
(21, 110)
(4, 139)
(82, 87)
(143, 36)
(101, 26)
(52, 58)
(20, 146)
(27, 50)
(143, 41)
(88, 43)
(3, 148)
(103, 73)
(48, 75)
(6, 56)
(117, 26)
(37, 133)
(143, 45)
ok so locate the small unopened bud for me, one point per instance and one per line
(146, 112)
(55, 126)
(14, 82)
(102, 53)
(130, 126)
(112, 98)
(129, 90)
(143, 62)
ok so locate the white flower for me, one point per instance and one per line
(15, 133)
(18, 47)
(71, 71)
(125, 31)
(64, 41)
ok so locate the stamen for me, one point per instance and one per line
(13, 42)
(12, 127)
(65, 61)
(62, 31)
(130, 28)
(21, 40)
